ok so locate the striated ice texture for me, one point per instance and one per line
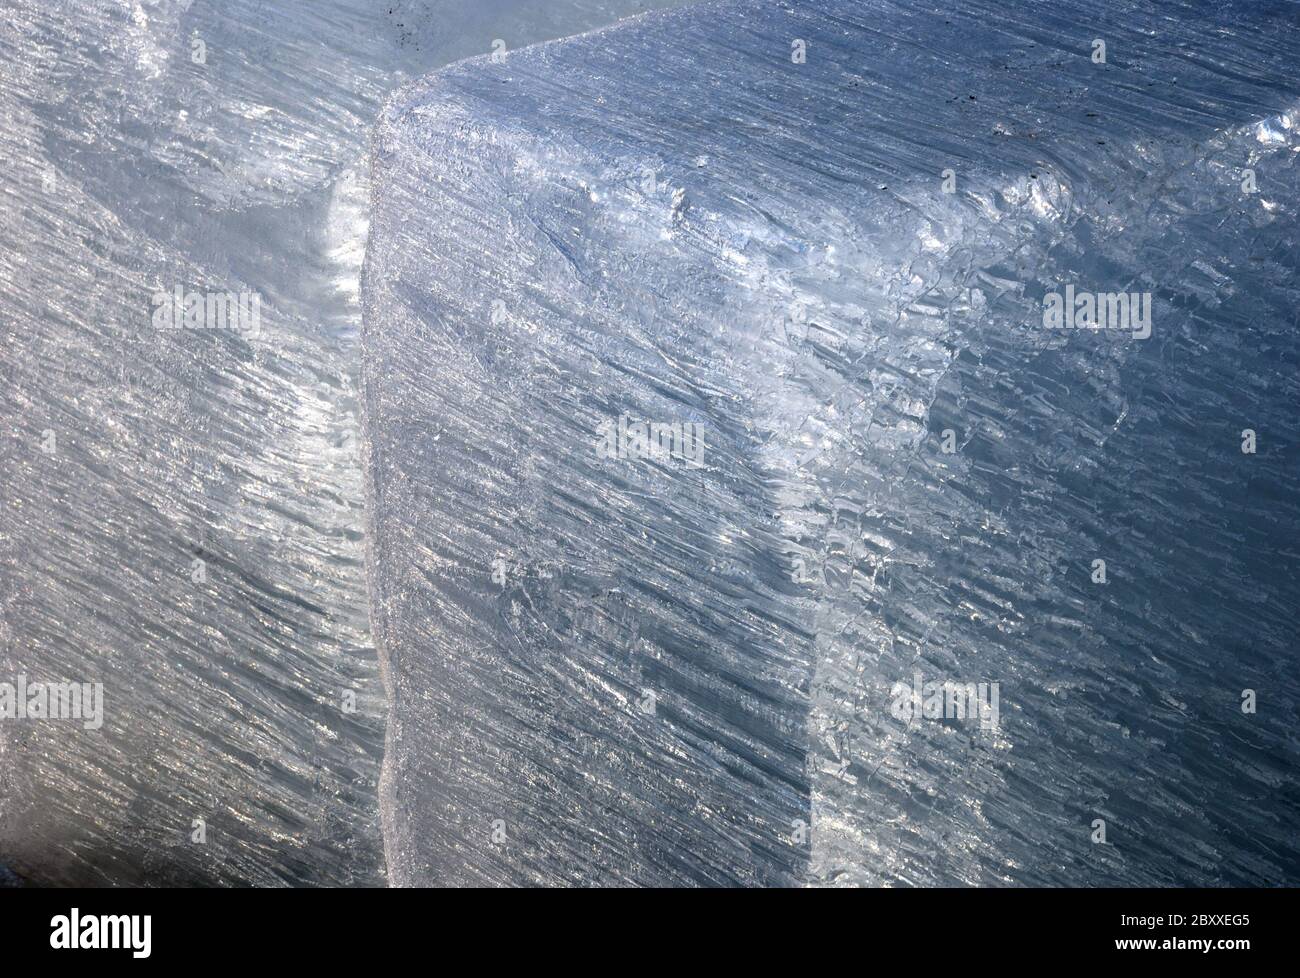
(215, 145)
(624, 670)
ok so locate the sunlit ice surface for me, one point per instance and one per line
(181, 509)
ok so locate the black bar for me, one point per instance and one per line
(339, 928)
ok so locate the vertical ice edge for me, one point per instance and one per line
(816, 240)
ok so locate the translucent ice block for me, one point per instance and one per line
(826, 234)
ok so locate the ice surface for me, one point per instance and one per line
(614, 670)
(134, 160)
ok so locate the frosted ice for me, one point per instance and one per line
(615, 669)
